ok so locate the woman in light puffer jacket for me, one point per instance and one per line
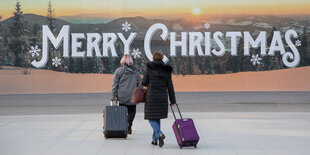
(126, 79)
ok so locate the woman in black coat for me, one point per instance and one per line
(157, 78)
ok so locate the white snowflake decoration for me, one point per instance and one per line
(126, 26)
(35, 51)
(255, 59)
(136, 53)
(207, 25)
(56, 62)
(298, 42)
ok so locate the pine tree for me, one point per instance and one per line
(97, 65)
(67, 65)
(108, 64)
(36, 29)
(190, 65)
(8, 57)
(119, 50)
(249, 64)
(70, 65)
(100, 66)
(2, 45)
(184, 65)
(234, 62)
(137, 62)
(217, 68)
(208, 67)
(178, 62)
(51, 22)
(113, 64)
(19, 42)
(272, 62)
(87, 65)
(73, 65)
(305, 61)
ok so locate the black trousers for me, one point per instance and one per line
(131, 113)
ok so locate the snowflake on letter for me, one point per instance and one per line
(35, 51)
(207, 25)
(298, 42)
(56, 62)
(126, 26)
(136, 53)
(255, 59)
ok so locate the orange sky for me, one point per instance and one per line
(119, 8)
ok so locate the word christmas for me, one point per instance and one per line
(189, 43)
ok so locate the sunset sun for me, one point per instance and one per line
(196, 11)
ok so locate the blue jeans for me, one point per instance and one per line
(155, 123)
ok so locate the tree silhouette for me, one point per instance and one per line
(303, 49)
(51, 22)
(2, 45)
(19, 41)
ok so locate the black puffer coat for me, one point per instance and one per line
(157, 78)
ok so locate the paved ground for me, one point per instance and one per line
(228, 123)
(221, 133)
(189, 102)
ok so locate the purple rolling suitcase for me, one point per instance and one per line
(185, 131)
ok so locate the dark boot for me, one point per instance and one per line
(161, 140)
(131, 117)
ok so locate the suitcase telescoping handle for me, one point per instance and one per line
(178, 111)
(117, 102)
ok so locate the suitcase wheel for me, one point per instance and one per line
(195, 146)
(180, 146)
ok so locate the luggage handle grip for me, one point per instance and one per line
(174, 113)
(117, 102)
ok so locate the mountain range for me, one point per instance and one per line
(253, 23)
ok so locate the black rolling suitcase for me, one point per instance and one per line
(115, 121)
